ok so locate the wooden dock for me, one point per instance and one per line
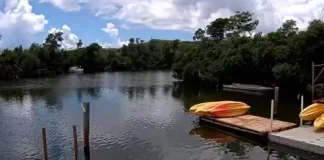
(250, 124)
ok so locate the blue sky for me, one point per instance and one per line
(112, 22)
(88, 26)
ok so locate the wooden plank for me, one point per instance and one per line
(251, 124)
(213, 121)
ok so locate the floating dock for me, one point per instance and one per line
(250, 124)
(248, 87)
(303, 138)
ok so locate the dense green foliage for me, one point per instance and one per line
(229, 52)
(47, 59)
(225, 51)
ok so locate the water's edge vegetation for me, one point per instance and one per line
(225, 51)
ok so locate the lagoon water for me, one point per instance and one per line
(133, 115)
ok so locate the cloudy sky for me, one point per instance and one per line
(113, 22)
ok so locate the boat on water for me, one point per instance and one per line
(75, 69)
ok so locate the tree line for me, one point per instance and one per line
(225, 51)
(48, 58)
(230, 50)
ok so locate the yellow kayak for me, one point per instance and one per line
(195, 107)
(312, 112)
(220, 109)
(230, 110)
(319, 122)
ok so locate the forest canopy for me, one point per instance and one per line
(227, 50)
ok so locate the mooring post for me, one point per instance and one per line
(86, 126)
(269, 153)
(44, 144)
(75, 143)
(276, 100)
(271, 116)
(301, 107)
(313, 81)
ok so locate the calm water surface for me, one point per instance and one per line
(138, 115)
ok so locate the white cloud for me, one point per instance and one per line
(104, 45)
(120, 43)
(191, 14)
(110, 29)
(125, 26)
(67, 5)
(69, 39)
(18, 24)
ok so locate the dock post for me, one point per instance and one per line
(86, 126)
(313, 81)
(276, 100)
(75, 143)
(44, 144)
(301, 108)
(269, 153)
(271, 116)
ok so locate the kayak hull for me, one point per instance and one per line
(220, 109)
(319, 122)
(312, 112)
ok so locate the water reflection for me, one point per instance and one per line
(239, 149)
(140, 91)
(166, 89)
(130, 92)
(93, 92)
(152, 90)
(212, 135)
(79, 94)
(142, 115)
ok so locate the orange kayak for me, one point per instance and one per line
(229, 110)
(220, 109)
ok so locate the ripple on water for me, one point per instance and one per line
(134, 115)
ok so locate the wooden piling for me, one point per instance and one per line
(44, 144)
(86, 126)
(276, 100)
(75, 143)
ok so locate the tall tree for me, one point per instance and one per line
(241, 23)
(199, 34)
(79, 43)
(52, 48)
(137, 40)
(131, 40)
(288, 28)
(217, 29)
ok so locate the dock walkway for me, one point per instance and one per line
(303, 138)
(250, 124)
(248, 87)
